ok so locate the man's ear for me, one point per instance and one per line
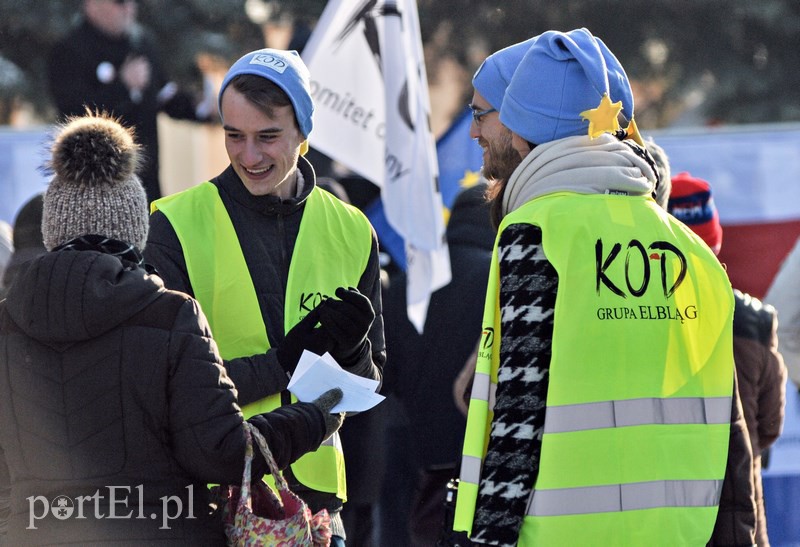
(519, 144)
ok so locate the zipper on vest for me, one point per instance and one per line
(285, 258)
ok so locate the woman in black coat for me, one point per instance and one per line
(115, 410)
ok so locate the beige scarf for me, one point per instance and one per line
(579, 164)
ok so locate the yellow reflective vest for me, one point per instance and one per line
(332, 250)
(640, 381)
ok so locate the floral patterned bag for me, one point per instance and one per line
(254, 515)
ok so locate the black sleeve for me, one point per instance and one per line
(163, 251)
(205, 422)
(291, 431)
(256, 376)
(370, 362)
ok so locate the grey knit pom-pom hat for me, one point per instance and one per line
(94, 189)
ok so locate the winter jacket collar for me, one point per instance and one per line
(582, 165)
(126, 252)
(70, 296)
(230, 182)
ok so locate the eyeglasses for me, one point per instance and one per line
(121, 2)
(478, 115)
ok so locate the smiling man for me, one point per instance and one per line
(489, 83)
(270, 256)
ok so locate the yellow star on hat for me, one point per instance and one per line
(603, 119)
(632, 132)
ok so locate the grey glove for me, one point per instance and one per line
(325, 402)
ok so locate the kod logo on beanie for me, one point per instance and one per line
(268, 60)
(286, 70)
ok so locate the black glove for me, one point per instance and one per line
(325, 403)
(302, 336)
(347, 322)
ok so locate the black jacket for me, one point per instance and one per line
(83, 70)
(425, 366)
(109, 380)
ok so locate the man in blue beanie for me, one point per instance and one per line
(600, 408)
(278, 264)
(489, 83)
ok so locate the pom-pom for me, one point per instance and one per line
(94, 149)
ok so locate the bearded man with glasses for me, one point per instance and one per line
(489, 84)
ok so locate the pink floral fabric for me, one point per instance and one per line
(254, 515)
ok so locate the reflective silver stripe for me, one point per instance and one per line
(480, 386)
(687, 410)
(470, 469)
(492, 394)
(624, 497)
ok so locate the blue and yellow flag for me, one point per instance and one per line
(460, 159)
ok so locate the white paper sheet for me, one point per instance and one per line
(316, 374)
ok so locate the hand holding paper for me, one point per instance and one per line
(315, 375)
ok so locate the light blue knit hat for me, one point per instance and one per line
(562, 76)
(288, 71)
(493, 76)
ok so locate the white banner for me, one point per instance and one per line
(372, 114)
(347, 88)
(753, 169)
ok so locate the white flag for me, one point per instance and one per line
(372, 114)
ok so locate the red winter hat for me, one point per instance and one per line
(690, 201)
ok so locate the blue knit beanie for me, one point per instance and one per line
(560, 77)
(492, 77)
(286, 70)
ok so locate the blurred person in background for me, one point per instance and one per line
(26, 238)
(109, 61)
(423, 368)
(761, 374)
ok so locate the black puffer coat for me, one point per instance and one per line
(109, 380)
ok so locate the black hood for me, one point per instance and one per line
(71, 296)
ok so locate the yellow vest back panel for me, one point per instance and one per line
(640, 380)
